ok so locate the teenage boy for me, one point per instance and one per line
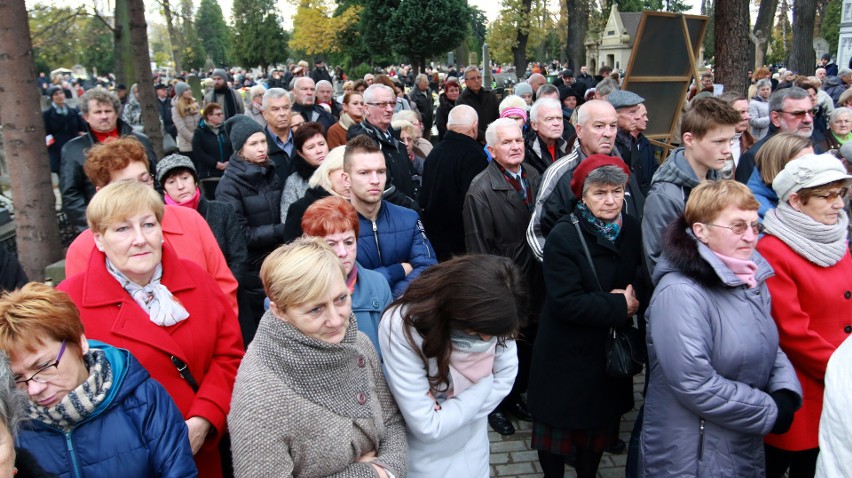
(706, 133)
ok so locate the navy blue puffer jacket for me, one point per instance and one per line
(137, 431)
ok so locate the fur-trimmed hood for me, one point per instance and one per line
(684, 253)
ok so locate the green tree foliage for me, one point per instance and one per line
(478, 29)
(258, 36)
(193, 51)
(675, 6)
(213, 32)
(830, 29)
(423, 28)
(376, 27)
(502, 33)
(63, 37)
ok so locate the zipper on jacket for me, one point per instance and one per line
(73, 455)
(376, 237)
(700, 439)
(423, 238)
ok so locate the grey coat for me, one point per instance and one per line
(714, 359)
(758, 112)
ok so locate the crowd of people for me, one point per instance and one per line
(311, 284)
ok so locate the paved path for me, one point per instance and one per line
(512, 456)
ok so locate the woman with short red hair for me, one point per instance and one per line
(336, 221)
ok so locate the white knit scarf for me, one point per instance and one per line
(155, 298)
(821, 244)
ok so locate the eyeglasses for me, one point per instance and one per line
(383, 104)
(739, 228)
(831, 196)
(44, 374)
(801, 114)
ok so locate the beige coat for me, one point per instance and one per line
(185, 125)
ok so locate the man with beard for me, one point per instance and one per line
(223, 95)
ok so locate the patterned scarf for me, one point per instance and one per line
(83, 400)
(607, 230)
(521, 189)
(155, 298)
(818, 243)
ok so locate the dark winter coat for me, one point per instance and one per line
(396, 236)
(315, 113)
(400, 188)
(485, 103)
(228, 231)
(639, 156)
(835, 87)
(64, 128)
(569, 387)
(209, 148)
(538, 156)
(254, 191)
(165, 109)
(76, 188)
(447, 174)
(12, 275)
(293, 222)
(283, 161)
(714, 359)
(423, 101)
(443, 114)
(137, 427)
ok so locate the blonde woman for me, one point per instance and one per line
(328, 180)
(186, 116)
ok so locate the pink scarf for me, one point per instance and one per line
(191, 203)
(743, 269)
(467, 368)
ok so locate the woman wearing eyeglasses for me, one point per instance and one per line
(806, 245)
(839, 130)
(718, 380)
(93, 410)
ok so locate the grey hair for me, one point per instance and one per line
(370, 92)
(274, 94)
(256, 90)
(333, 162)
(606, 87)
(469, 69)
(844, 72)
(491, 133)
(546, 89)
(100, 95)
(302, 79)
(839, 111)
(763, 82)
(544, 103)
(776, 101)
(323, 83)
(606, 175)
(412, 116)
(13, 402)
(404, 125)
(462, 115)
(419, 78)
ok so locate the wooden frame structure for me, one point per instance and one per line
(661, 68)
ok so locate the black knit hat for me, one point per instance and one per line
(239, 128)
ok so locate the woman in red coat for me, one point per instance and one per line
(806, 245)
(137, 294)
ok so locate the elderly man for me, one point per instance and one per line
(536, 80)
(100, 112)
(449, 169)
(223, 95)
(584, 81)
(484, 101)
(422, 98)
(597, 125)
(276, 110)
(790, 111)
(497, 209)
(547, 145)
(369, 78)
(324, 95)
(569, 134)
(635, 149)
(401, 188)
(304, 95)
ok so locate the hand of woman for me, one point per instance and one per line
(368, 457)
(381, 471)
(630, 297)
(198, 428)
(221, 166)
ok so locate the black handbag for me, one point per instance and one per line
(623, 345)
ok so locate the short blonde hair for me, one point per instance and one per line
(119, 200)
(332, 162)
(300, 272)
(256, 90)
(776, 153)
(406, 126)
(710, 198)
(512, 101)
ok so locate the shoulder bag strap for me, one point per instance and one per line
(576, 223)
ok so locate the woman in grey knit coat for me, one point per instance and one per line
(310, 398)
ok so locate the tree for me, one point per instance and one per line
(830, 24)
(142, 65)
(56, 34)
(175, 39)
(503, 33)
(213, 31)
(478, 29)
(99, 53)
(731, 29)
(802, 57)
(258, 36)
(316, 29)
(763, 30)
(377, 27)
(578, 25)
(193, 50)
(522, 35)
(36, 229)
(423, 28)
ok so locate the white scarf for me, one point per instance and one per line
(155, 298)
(821, 244)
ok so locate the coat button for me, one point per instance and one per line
(361, 361)
(847, 294)
(848, 329)
(362, 398)
(376, 303)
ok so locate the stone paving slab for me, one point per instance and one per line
(512, 457)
